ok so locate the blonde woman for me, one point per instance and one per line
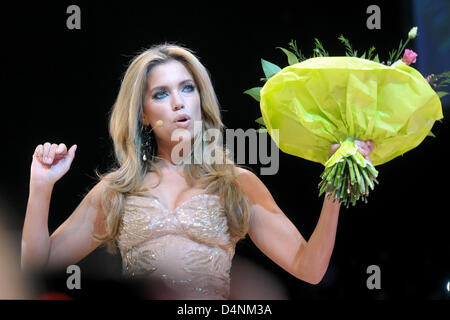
(175, 223)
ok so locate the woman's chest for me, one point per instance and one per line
(200, 218)
(171, 189)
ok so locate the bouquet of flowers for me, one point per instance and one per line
(322, 100)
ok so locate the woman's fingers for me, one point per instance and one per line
(49, 152)
(370, 144)
(365, 147)
(38, 151)
(61, 149)
(333, 149)
(46, 151)
(72, 151)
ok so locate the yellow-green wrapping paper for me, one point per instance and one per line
(326, 100)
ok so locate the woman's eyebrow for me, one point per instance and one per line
(180, 84)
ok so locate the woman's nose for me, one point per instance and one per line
(177, 102)
(177, 106)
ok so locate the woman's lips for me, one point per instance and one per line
(183, 124)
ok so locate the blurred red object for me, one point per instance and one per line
(54, 296)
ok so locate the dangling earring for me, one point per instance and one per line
(146, 147)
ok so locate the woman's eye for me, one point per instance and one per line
(188, 88)
(160, 94)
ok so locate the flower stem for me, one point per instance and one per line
(348, 181)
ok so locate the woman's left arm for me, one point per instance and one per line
(278, 238)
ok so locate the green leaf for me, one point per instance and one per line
(444, 74)
(392, 55)
(321, 52)
(430, 134)
(371, 50)
(348, 47)
(292, 59)
(260, 120)
(297, 51)
(254, 92)
(441, 94)
(269, 68)
(376, 59)
(316, 53)
(364, 55)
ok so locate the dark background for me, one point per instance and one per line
(62, 83)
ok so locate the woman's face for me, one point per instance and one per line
(172, 97)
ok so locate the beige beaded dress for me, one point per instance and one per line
(187, 250)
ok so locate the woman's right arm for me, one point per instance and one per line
(73, 240)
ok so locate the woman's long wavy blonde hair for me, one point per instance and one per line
(125, 128)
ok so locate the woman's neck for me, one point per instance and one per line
(164, 162)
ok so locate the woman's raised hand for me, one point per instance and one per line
(51, 162)
(365, 147)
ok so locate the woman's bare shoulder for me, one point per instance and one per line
(242, 172)
(248, 181)
(255, 190)
(95, 195)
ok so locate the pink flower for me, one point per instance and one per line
(409, 57)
